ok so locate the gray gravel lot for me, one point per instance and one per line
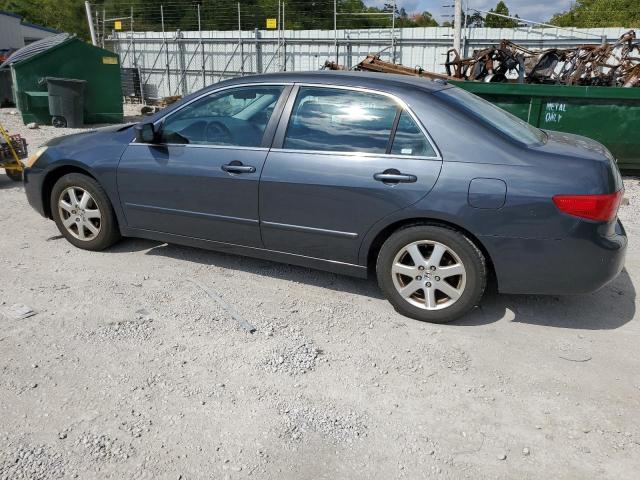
(129, 369)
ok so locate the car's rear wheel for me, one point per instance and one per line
(431, 273)
(83, 213)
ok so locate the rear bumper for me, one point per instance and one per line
(33, 188)
(582, 263)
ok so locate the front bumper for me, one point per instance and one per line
(33, 182)
(582, 263)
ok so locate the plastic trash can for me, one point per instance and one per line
(66, 101)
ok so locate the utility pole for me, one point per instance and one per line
(457, 25)
(92, 29)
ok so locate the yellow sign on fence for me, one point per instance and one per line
(272, 23)
(117, 25)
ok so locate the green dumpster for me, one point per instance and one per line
(66, 57)
(609, 115)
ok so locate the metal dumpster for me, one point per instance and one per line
(609, 115)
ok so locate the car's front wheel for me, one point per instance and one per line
(431, 273)
(83, 213)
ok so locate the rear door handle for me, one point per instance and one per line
(237, 167)
(394, 177)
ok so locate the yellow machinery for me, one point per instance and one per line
(12, 149)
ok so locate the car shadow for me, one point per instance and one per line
(609, 308)
(6, 183)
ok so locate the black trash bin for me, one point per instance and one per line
(66, 101)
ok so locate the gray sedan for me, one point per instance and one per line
(428, 187)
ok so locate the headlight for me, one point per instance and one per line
(34, 158)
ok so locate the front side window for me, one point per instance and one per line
(506, 123)
(409, 139)
(329, 119)
(234, 117)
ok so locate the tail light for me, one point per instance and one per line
(602, 208)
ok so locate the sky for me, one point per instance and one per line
(536, 10)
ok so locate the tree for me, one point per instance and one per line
(493, 21)
(424, 19)
(599, 13)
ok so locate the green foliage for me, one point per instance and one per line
(63, 15)
(69, 15)
(600, 13)
(493, 21)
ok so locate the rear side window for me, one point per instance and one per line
(328, 119)
(508, 124)
(409, 139)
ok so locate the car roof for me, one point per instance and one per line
(387, 82)
(345, 78)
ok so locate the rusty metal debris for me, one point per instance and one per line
(616, 64)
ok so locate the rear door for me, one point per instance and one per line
(201, 180)
(343, 158)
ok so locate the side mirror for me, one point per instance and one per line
(145, 133)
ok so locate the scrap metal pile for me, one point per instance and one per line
(611, 65)
(616, 64)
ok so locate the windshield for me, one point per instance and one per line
(512, 126)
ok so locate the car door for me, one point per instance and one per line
(343, 158)
(201, 179)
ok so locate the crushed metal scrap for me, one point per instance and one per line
(616, 64)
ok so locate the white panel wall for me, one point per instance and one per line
(308, 50)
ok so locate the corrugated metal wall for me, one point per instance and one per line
(182, 62)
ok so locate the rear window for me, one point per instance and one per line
(511, 126)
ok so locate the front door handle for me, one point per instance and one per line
(237, 167)
(394, 176)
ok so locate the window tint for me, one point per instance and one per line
(329, 119)
(508, 124)
(234, 117)
(409, 139)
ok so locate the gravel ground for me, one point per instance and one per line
(130, 369)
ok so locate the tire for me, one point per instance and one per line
(59, 122)
(14, 175)
(414, 287)
(91, 225)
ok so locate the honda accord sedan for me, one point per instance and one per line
(420, 183)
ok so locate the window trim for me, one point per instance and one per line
(269, 131)
(278, 140)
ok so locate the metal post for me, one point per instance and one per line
(240, 45)
(204, 75)
(284, 41)
(104, 25)
(182, 80)
(457, 24)
(335, 27)
(279, 38)
(256, 33)
(166, 49)
(393, 33)
(92, 30)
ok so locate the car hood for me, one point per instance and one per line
(92, 137)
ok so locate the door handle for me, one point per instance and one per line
(394, 176)
(238, 167)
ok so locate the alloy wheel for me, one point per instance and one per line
(429, 275)
(80, 213)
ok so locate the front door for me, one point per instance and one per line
(344, 159)
(201, 179)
